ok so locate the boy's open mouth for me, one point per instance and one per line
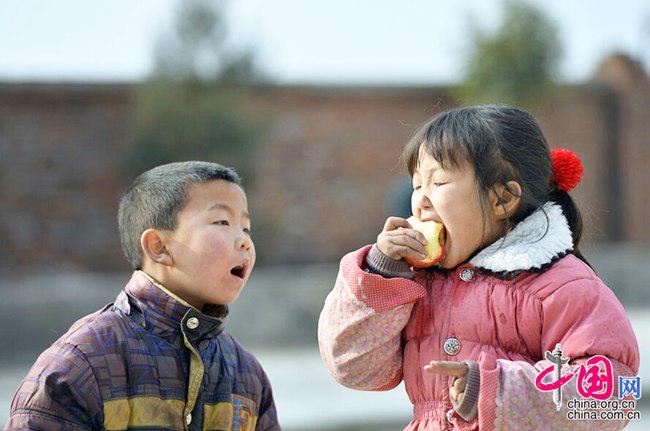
(239, 271)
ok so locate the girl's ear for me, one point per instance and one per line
(504, 200)
(153, 246)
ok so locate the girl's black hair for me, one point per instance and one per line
(502, 143)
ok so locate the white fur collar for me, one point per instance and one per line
(526, 247)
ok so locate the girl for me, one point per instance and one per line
(470, 335)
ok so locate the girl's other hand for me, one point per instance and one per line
(399, 240)
(457, 370)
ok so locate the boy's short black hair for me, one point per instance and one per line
(155, 198)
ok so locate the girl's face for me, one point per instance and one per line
(450, 197)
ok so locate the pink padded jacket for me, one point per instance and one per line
(501, 312)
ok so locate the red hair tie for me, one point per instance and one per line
(567, 169)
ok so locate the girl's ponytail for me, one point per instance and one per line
(573, 216)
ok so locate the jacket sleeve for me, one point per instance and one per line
(59, 393)
(267, 415)
(360, 327)
(587, 319)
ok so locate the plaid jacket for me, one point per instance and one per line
(147, 361)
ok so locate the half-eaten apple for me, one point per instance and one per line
(434, 233)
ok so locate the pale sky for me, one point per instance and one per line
(409, 42)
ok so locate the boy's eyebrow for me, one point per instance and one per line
(220, 206)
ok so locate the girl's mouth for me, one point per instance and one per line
(442, 238)
(444, 244)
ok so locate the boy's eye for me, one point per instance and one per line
(222, 222)
(438, 184)
(248, 231)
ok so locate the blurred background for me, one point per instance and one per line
(312, 103)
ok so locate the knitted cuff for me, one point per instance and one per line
(468, 407)
(378, 263)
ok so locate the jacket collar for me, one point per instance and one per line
(155, 307)
(533, 244)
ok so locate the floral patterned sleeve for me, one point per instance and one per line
(359, 329)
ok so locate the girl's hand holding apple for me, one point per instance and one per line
(399, 240)
(420, 243)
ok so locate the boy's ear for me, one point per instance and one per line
(505, 199)
(153, 246)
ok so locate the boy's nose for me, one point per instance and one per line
(243, 243)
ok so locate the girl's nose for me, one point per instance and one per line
(424, 209)
(423, 203)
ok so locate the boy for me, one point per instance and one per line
(158, 357)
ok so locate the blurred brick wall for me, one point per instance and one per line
(630, 89)
(59, 184)
(326, 167)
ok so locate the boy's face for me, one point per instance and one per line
(212, 250)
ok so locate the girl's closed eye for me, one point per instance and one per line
(222, 222)
(418, 187)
